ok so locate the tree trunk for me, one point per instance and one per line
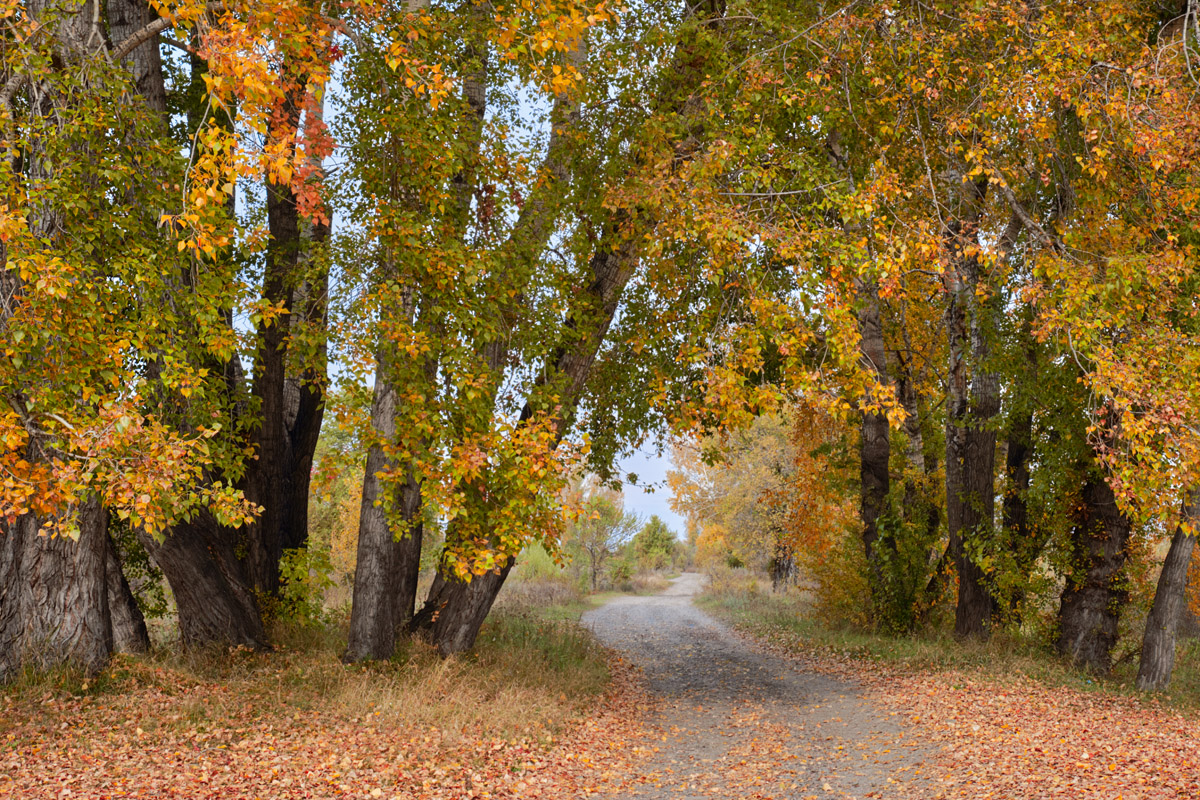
(782, 567)
(1095, 590)
(974, 399)
(126, 17)
(215, 601)
(387, 567)
(291, 406)
(875, 444)
(128, 625)
(54, 595)
(267, 477)
(1170, 600)
(455, 610)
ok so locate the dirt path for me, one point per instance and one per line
(735, 722)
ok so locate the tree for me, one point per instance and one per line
(600, 531)
(1170, 600)
(79, 442)
(655, 544)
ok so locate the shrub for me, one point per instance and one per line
(305, 576)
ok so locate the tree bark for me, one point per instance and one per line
(126, 17)
(875, 445)
(974, 399)
(214, 598)
(54, 595)
(387, 566)
(53, 587)
(268, 477)
(129, 632)
(1170, 600)
(1091, 601)
(455, 610)
(291, 404)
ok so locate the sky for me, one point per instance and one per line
(651, 470)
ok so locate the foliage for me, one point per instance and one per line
(655, 544)
(726, 487)
(306, 576)
(599, 531)
(451, 290)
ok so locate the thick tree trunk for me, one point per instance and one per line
(375, 607)
(1095, 590)
(387, 566)
(129, 632)
(54, 595)
(267, 478)
(455, 610)
(126, 17)
(1170, 600)
(291, 406)
(12, 547)
(215, 600)
(970, 461)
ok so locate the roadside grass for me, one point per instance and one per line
(533, 671)
(649, 583)
(787, 620)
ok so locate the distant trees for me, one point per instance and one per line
(655, 544)
(600, 531)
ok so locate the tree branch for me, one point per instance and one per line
(140, 37)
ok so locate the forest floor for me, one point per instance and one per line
(538, 710)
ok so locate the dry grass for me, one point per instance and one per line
(539, 593)
(507, 721)
(649, 583)
(534, 669)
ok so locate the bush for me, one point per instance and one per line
(620, 574)
(838, 581)
(305, 575)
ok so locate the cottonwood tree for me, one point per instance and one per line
(149, 420)
(491, 336)
(84, 278)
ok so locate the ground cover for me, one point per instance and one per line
(1008, 720)
(538, 710)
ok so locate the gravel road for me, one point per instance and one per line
(733, 721)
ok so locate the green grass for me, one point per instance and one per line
(788, 620)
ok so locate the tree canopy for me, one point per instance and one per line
(915, 276)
